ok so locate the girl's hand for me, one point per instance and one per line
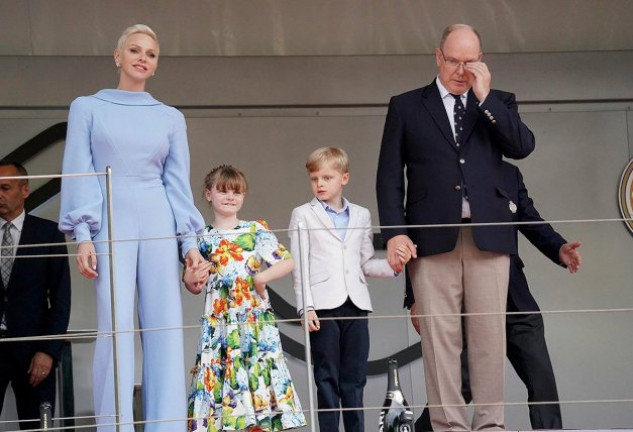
(87, 260)
(195, 276)
(260, 286)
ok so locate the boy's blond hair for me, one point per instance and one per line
(333, 156)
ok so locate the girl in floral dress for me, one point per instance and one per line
(240, 380)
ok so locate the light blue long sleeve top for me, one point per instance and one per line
(145, 143)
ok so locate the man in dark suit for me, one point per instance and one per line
(449, 137)
(526, 347)
(34, 298)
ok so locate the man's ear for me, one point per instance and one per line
(26, 191)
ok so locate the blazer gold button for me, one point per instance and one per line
(462, 161)
(458, 188)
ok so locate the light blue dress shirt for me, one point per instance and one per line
(340, 218)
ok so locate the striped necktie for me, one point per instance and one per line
(6, 263)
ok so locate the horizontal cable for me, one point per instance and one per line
(286, 230)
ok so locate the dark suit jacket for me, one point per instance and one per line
(418, 137)
(542, 236)
(38, 295)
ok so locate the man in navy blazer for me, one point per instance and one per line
(448, 139)
(34, 301)
(526, 347)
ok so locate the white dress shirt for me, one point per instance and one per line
(449, 106)
(16, 229)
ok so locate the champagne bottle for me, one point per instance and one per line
(46, 415)
(395, 415)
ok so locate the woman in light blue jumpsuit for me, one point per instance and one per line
(145, 143)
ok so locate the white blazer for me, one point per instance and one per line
(336, 268)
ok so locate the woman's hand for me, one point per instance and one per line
(194, 258)
(195, 276)
(87, 260)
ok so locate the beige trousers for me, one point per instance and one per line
(473, 281)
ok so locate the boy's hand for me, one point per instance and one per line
(393, 245)
(404, 254)
(313, 321)
(195, 276)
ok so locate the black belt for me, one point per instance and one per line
(466, 220)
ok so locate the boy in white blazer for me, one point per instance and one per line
(337, 254)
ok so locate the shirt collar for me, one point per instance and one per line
(444, 93)
(330, 209)
(18, 222)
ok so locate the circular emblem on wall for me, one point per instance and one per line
(626, 195)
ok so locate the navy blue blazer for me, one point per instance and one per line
(38, 292)
(418, 141)
(542, 236)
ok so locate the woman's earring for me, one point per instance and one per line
(118, 64)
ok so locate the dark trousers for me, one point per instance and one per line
(13, 369)
(339, 351)
(528, 354)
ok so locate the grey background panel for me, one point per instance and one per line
(262, 87)
(573, 174)
(243, 82)
(304, 27)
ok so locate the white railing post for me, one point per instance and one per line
(306, 329)
(113, 302)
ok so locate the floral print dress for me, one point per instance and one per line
(240, 379)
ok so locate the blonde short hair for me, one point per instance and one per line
(226, 178)
(333, 156)
(136, 28)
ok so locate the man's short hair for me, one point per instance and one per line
(18, 167)
(451, 28)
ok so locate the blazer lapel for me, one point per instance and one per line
(323, 217)
(432, 101)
